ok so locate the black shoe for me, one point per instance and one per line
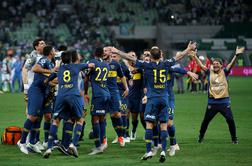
(235, 141)
(201, 138)
(162, 157)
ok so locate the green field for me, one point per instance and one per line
(215, 150)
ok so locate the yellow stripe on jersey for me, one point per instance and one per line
(112, 74)
(168, 77)
(118, 80)
(137, 76)
(46, 74)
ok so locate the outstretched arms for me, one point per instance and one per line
(194, 55)
(238, 52)
(190, 47)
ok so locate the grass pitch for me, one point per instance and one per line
(190, 108)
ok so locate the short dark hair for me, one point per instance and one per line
(47, 49)
(62, 48)
(66, 57)
(36, 42)
(99, 52)
(155, 52)
(218, 60)
(74, 55)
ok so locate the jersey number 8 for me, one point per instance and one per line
(66, 76)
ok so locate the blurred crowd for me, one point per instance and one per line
(87, 22)
(11, 72)
(84, 18)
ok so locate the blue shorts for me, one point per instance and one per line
(143, 107)
(35, 101)
(48, 108)
(171, 100)
(135, 104)
(68, 107)
(114, 103)
(99, 106)
(157, 110)
(124, 104)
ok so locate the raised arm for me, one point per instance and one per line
(190, 47)
(125, 85)
(238, 52)
(130, 67)
(122, 54)
(86, 96)
(194, 55)
(180, 70)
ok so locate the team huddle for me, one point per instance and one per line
(56, 85)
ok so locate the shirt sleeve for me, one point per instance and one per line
(127, 74)
(30, 61)
(178, 70)
(227, 72)
(52, 76)
(170, 62)
(83, 66)
(42, 62)
(119, 70)
(140, 64)
(207, 71)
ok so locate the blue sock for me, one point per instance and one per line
(159, 134)
(127, 128)
(163, 136)
(113, 120)
(119, 127)
(155, 135)
(96, 133)
(82, 130)
(102, 130)
(77, 133)
(46, 130)
(52, 135)
(27, 127)
(124, 124)
(171, 132)
(34, 133)
(134, 125)
(38, 124)
(63, 141)
(148, 139)
(68, 129)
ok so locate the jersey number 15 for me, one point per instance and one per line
(159, 74)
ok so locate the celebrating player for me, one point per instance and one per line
(36, 96)
(68, 103)
(100, 99)
(157, 105)
(218, 94)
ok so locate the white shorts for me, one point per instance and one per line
(5, 77)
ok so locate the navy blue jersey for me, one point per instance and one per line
(99, 78)
(136, 89)
(114, 71)
(39, 78)
(126, 73)
(68, 79)
(156, 74)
